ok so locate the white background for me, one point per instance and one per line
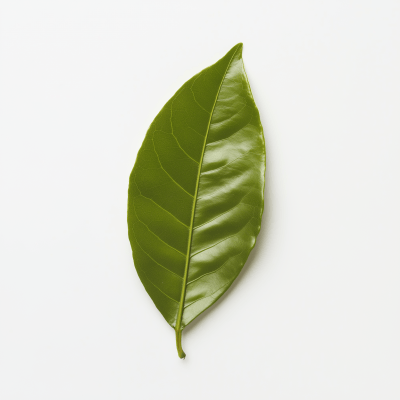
(315, 312)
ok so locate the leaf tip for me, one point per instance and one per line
(239, 47)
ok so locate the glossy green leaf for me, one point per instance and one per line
(196, 192)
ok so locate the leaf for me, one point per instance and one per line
(196, 192)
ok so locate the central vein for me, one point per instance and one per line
(178, 326)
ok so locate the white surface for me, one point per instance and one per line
(315, 313)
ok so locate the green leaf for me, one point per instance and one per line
(196, 192)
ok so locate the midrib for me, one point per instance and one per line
(184, 284)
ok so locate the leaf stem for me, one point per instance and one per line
(181, 353)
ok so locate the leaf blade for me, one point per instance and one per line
(217, 201)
